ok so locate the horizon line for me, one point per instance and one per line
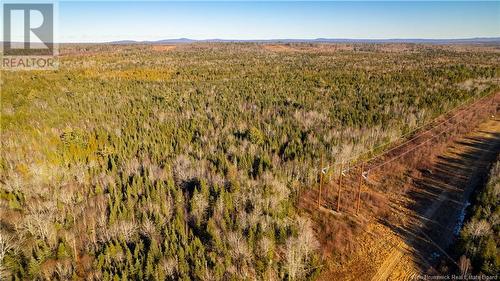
(318, 39)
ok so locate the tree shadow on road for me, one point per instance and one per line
(439, 196)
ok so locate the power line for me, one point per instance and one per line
(356, 157)
(365, 173)
(427, 140)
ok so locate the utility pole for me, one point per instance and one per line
(359, 187)
(340, 187)
(320, 180)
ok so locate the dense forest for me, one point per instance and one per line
(142, 163)
(480, 237)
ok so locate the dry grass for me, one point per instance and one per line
(163, 48)
(278, 48)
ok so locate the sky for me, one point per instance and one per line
(85, 21)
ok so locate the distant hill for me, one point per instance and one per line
(482, 40)
(489, 40)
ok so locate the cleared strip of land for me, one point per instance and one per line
(424, 193)
(438, 199)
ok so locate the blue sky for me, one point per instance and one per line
(119, 20)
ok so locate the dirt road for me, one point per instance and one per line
(436, 202)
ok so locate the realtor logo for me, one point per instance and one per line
(44, 30)
(28, 36)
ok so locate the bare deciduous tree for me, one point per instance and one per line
(298, 250)
(465, 265)
(477, 228)
(199, 204)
